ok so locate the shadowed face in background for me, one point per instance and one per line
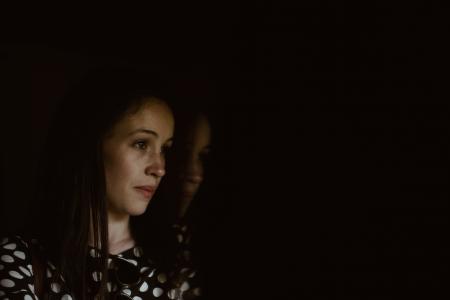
(193, 148)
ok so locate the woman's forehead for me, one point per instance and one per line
(153, 115)
(199, 128)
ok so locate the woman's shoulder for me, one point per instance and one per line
(15, 248)
(16, 272)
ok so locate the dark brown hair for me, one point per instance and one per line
(71, 182)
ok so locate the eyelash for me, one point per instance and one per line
(136, 144)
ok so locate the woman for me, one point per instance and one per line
(104, 160)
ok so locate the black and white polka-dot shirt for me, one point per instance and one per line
(17, 277)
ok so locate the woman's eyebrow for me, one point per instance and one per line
(144, 130)
(149, 131)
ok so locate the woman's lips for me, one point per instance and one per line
(147, 191)
(188, 194)
(189, 189)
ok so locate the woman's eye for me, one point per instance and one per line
(140, 145)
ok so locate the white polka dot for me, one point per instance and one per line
(30, 268)
(27, 297)
(56, 287)
(19, 254)
(185, 286)
(197, 291)
(151, 273)
(2, 293)
(109, 286)
(157, 292)
(132, 261)
(144, 269)
(137, 298)
(144, 287)
(7, 283)
(66, 297)
(126, 292)
(49, 273)
(179, 238)
(7, 258)
(192, 274)
(24, 271)
(97, 276)
(15, 274)
(51, 265)
(31, 287)
(11, 246)
(162, 277)
(137, 252)
(93, 253)
(110, 266)
(173, 293)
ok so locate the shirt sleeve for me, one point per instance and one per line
(16, 271)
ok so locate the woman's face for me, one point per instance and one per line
(196, 146)
(133, 155)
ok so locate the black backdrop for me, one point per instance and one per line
(331, 176)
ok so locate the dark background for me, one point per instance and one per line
(332, 128)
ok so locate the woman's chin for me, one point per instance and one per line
(187, 197)
(137, 210)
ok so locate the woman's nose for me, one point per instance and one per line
(156, 167)
(194, 172)
(194, 178)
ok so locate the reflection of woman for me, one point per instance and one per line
(172, 212)
(104, 160)
(191, 152)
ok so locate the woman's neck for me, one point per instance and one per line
(119, 233)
